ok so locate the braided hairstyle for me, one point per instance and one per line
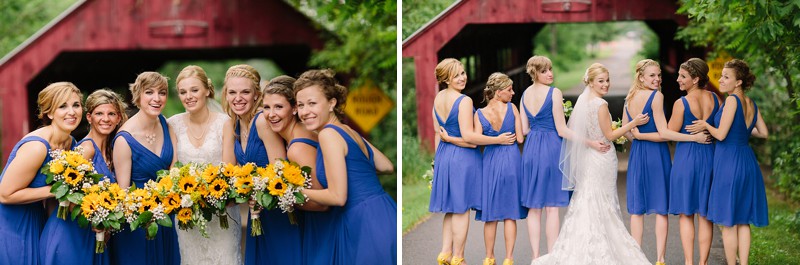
(324, 78)
(250, 73)
(497, 81)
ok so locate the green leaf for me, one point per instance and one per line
(152, 229)
(55, 186)
(75, 212)
(83, 222)
(166, 222)
(61, 191)
(115, 225)
(144, 217)
(75, 198)
(299, 198)
(241, 200)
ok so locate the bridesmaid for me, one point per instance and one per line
(458, 162)
(737, 197)
(649, 163)
(690, 179)
(280, 111)
(146, 139)
(500, 190)
(63, 241)
(254, 142)
(366, 218)
(205, 136)
(22, 192)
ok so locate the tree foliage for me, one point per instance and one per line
(766, 34)
(19, 19)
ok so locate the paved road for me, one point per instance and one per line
(421, 245)
(619, 66)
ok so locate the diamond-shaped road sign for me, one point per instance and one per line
(367, 105)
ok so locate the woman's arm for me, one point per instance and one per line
(466, 125)
(524, 122)
(228, 155)
(725, 122)
(382, 163)
(517, 125)
(664, 132)
(88, 150)
(761, 130)
(604, 119)
(458, 141)
(272, 141)
(558, 115)
(19, 174)
(122, 162)
(334, 150)
(174, 143)
(306, 155)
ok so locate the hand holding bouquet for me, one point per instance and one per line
(285, 180)
(69, 172)
(242, 181)
(218, 194)
(146, 207)
(183, 190)
(619, 143)
(102, 208)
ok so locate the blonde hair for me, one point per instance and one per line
(250, 73)
(105, 96)
(144, 81)
(53, 96)
(637, 84)
(497, 81)
(196, 72)
(325, 79)
(536, 64)
(445, 70)
(593, 71)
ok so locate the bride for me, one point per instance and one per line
(201, 138)
(593, 231)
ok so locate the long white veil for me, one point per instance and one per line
(574, 150)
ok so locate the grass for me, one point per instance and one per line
(415, 190)
(569, 78)
(415, 204)
(779, 242)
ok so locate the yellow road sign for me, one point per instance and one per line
(367, 106)
(715, 68)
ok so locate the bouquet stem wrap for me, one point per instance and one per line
(223, 220)
(256, 224)
(62, 210)
(99, 242)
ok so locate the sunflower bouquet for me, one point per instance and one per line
(619, 143)
(243, 183)
(218, 193)
(69, 172)
(146, 207)
(284, 180)
(183, 189)
(101, 207)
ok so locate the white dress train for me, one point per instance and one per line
(593, 231)
(223, 246)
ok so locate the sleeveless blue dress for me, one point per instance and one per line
(455, 172)
(366, 229)
(63, 241)
(318, 227)
(541, 178)
(737, 189)
(500, 189)
(648, 170)
(280, 241)
(130, 247)
(690, 179)
(21, 224)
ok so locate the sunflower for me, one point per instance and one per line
(246, 169)
(148, 204)
(72, 176)
(185, 215)
(210, 173)
(115, 189)
(294, 175)
(171, 202)
(73, 159)
(187, 184)
(92, 189)
(56, 167)
(230, 170)
(244, 184)
(165, 183)
(90, 204)
(218, 188)
(276, 187)
(269, 172)
(106, 201)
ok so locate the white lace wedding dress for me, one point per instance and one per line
(223, 246)
(593, 231)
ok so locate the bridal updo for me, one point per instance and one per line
(593, 71)
(497, 81)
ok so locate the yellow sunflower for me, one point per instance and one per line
(185, 215)
(244, 184)
(92, 189)
(165, 183)
(246, 169)
(210, 173)
(171, 202)
(230, 170)
(148, 204)
(218, 188)
(56, 168)
(73, 159)
(187, 184)
(114, 189)
(276, 187)
(90, 204)
(106, 201)
(293, 175)
(72, 176)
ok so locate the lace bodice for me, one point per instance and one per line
(594, 131)
(211, 149)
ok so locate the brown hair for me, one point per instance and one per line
(105, 96)
(324, 78)
(144, 81)
(196, 72)
(593, 71)
(697, 68)
(497, 81)
(53, 96)
(282, 85)
(244, 71)
(742, 72)
(637, 84)
(536, 64)
(445, 70)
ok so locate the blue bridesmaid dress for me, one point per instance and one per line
(456, 171)
(131, 247)
(63, 241)
(500, 189)
(280, 241)
(690, 179)
(21, 224)
(737, 190)
(365, 231)
(541, 177)
(648, 170)
(318, 227)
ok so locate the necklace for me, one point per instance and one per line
(150, 138)
(205, 129)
